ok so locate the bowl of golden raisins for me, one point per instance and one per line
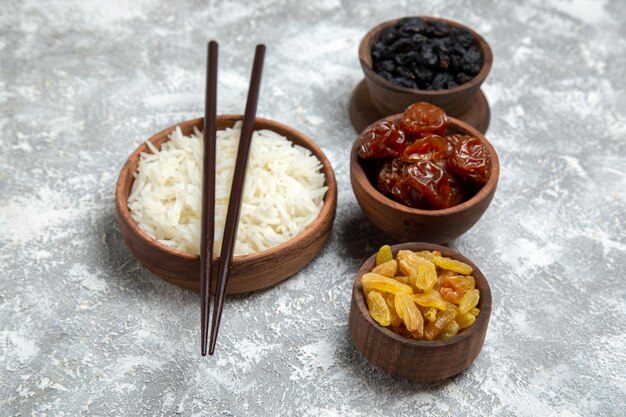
(419, 311)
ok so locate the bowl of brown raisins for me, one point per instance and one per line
(420, 311)
(425, 59)
(421, 175)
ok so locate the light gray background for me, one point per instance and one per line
(84, 330)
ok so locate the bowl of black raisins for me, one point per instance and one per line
(424, 59)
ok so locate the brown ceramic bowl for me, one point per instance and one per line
(390, 98)
(408, 224)
(249, 272)
(418, 360)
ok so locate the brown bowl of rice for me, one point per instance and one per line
(287, 214)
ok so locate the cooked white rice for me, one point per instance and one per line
(284, 190)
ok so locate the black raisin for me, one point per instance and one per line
(473, 69)
(404, 82)
(472, 61)
(423, 74)
(442, 44)
(451, 83)
(456, 62)
(418, 39)
(401, 45)
(405, 73)
(441, 80)
(458, 49)
(462, 37)
(438, 29)
(378, 51)
(389, 36)
(404, 59)
(388, 66)
(443, 60)
(427, 55)
(462, 77)
(472, 54)
(412, 24)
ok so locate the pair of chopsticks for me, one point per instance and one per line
(208, 193)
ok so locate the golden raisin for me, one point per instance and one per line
(430, 299)
(441, 278)
(406, 254)
(465, 320)
(453, 307)
(433, 328)
(474, 312)
(450, 295)
(426, 254)
(387, 269)
(396, 321)
(426, 275)
(384, 255)
(422, 272)
(408, 268)
(403, 279)
(378, 308)
(417, 336)
(410, 315)
(430, 313)
(453, 265)
(469, 301)
(460, 283)
(377, 282)
(451, 330)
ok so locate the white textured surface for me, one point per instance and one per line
(85, 330)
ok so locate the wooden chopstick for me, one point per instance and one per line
(236, 193)
(208, 194)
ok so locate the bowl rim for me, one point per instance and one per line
(365, 57)
(330, 197)
(482, 320)
(360, 176)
